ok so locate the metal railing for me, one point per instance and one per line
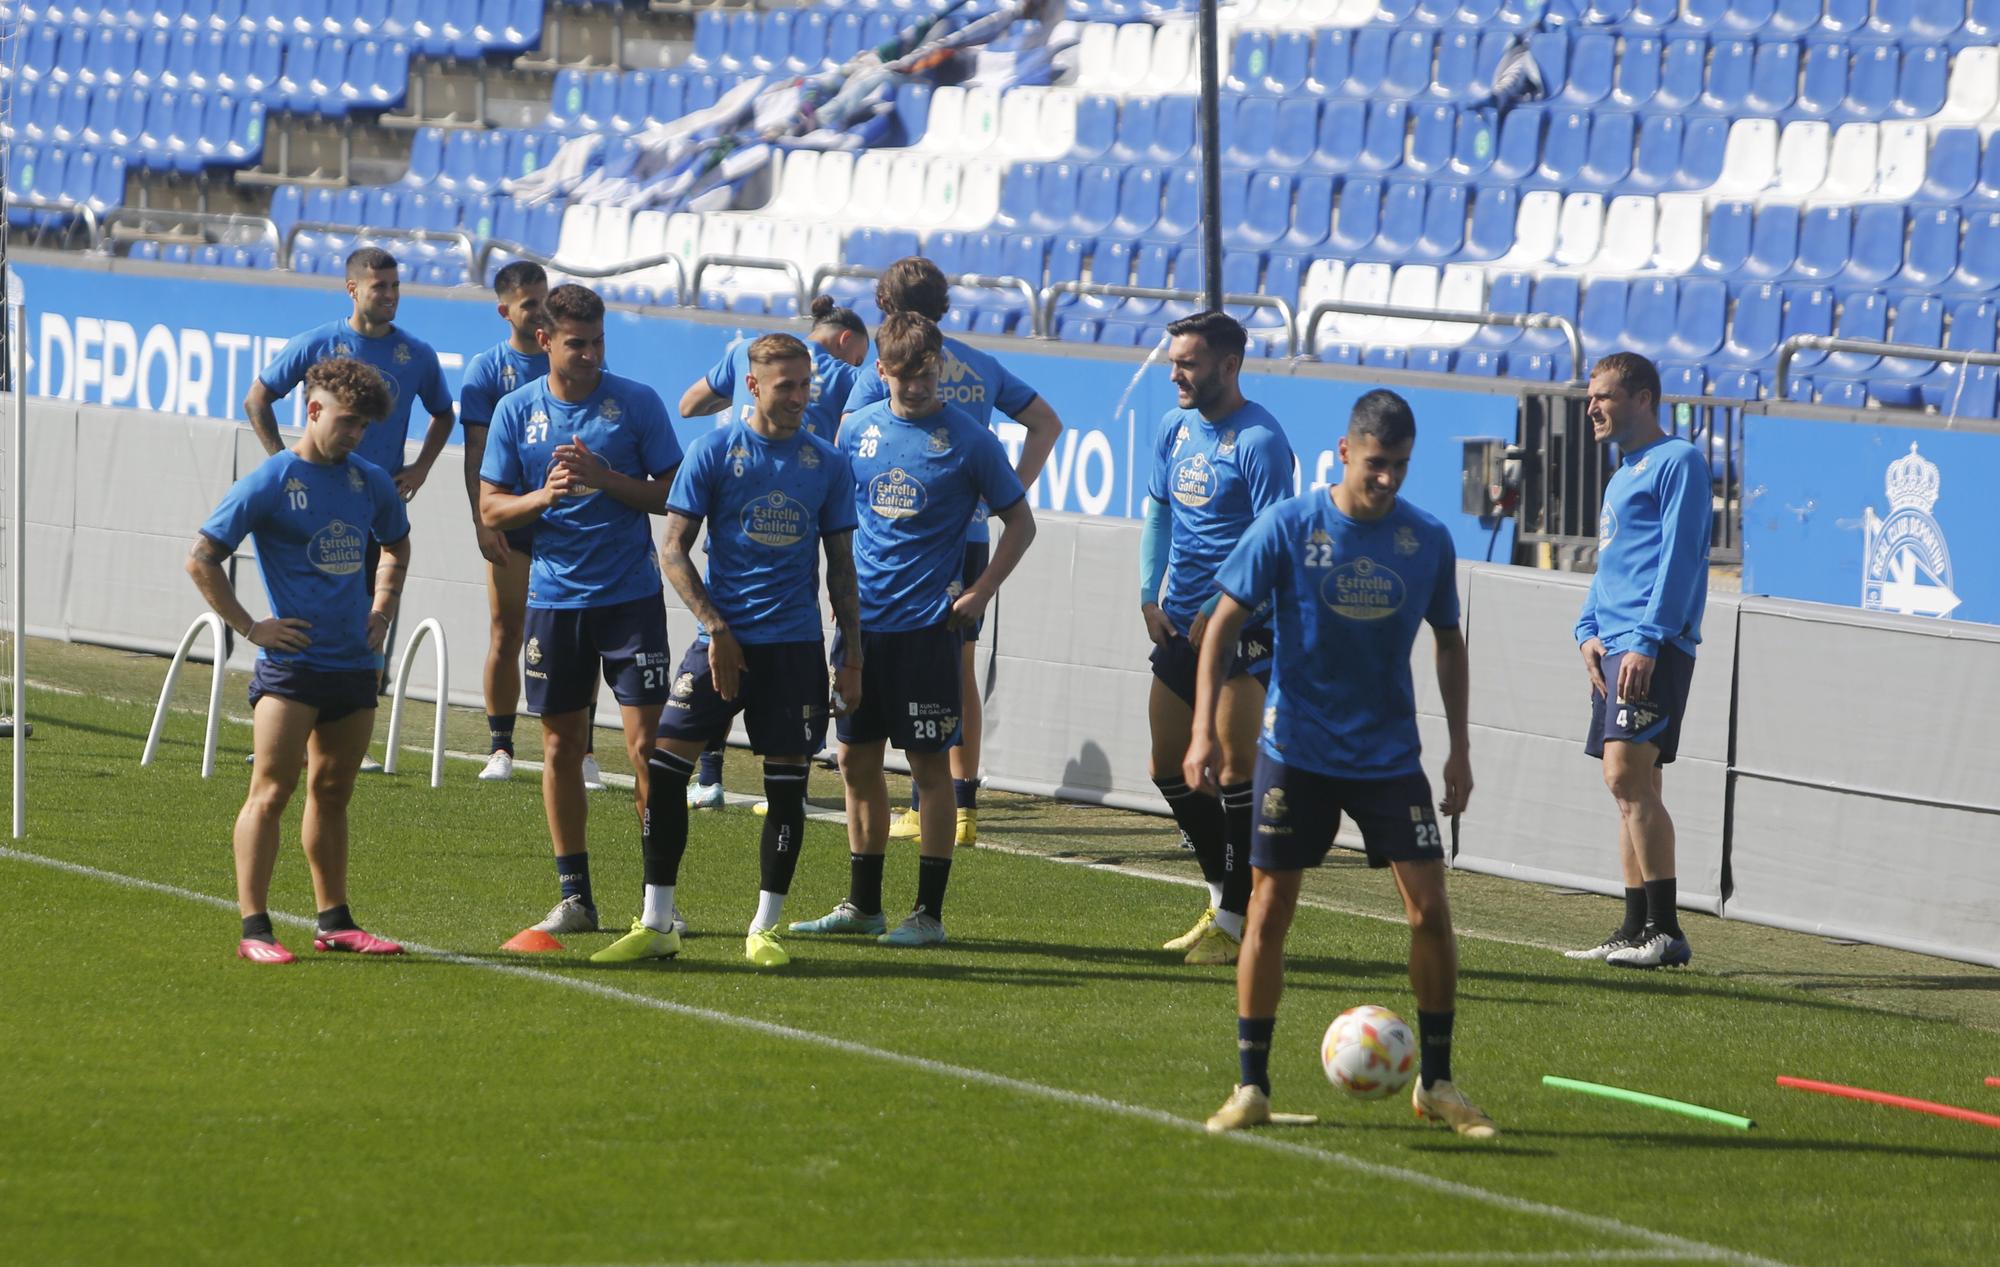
(213, 623)
(1798, 343)
(1046, 307)
(974, 281)
(590, 272)
(1517, 320)
(92, 223)
(458, 237)
(792, 272)
(266, 228)
(1564, 468)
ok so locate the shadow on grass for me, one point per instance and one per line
(1755, 1142)
(1972, 979)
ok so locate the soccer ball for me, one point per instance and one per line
(1369, 1052)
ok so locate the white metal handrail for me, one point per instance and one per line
(213, 623)
(429, 626)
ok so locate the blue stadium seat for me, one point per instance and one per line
(1700, 317)
(1097, 190)
(1952, 172)
(1250, 53)
(1792, 18)
(1097, 126)
(1175, 128)
(1312, 214)
(669, 99)
(1367, 63)
(1267, 213)
(1564, 149)
(1357, 217)
(1913, 319)
(1337, 147)
(1808, 310)
(101, 128)
(1823, 82)
(739, 52)
(1774, 242)
(1055, 198)
(1637, 74)
(701, 91)
(1152, 266)
(1652, 312)
(1736, 384)
(1876, 253)
(1979, 253)
(460, 158)
(1592, 68)
(1476, 362)
(1490, 234)
(1443, 236)
(1871, 81)
(151, 63)
(843, 37)
(1138, 203)
(426, 156)
(913, 110)
(1296, 129)
(1683, 67)
(1019, 186)
(1331, 48)
(1240, 270)
(1774, 78)
(1920, 88)
(1472, 148)
(600, 102)
(774, 42)
(1537, 367)
(1703, 15)
(1864, 314)
(116, 54)
(1561, 296)
(634, 100)
(1601, 316)
(1431, 138)
(1825, 237)
(73, 113)
(1753, 325)
(1520, 150)
(1249, 139)
(1609, 163)
(1388, 128)
(1407, 74)
(1457, 77)
(808, 52)
(1703, 144)
(1933, 247)
(1729, 70)
(158, 142)
(1290, 63)
(1180, 209)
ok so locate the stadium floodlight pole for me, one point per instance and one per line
(19, 313)
(1211, 159)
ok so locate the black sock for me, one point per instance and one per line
(1236, 800)
(784, 825)
(965, 793)
(573, 873)
(932, 875)
(1200, 818)
(500, 732)
(1660, 901)
(1253, 1051)
(664, 838)
(335, 919)
(864, 882)
(258, 928)
(1434, 1046)
(710, 771)
(1635, 913)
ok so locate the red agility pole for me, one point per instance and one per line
(1893, 1101)
(1993, 1082)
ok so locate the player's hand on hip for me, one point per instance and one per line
(493, 546)
(286, 633)
(967, 609)
(846, 689)
(725, 663)
(1197, 628)
(1592, 650)
(1158, 627)
(1635, 676)
(1197, 764)
(1457, 783)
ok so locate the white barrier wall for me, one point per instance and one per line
(1835, 772)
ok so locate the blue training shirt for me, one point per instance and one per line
(768, 503)
(594, 550)
(407, 363)
(968, 379)
(1652, 552)
(312, 525)
(915, 484)
(493, 373)
(833, 380)
(1215, 477)
(1347, 597)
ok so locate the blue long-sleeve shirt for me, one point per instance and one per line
(1652, 552)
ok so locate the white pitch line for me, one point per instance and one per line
(1447, 1258)
(1680, 1246)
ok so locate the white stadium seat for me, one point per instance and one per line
(1414, 286)
(945, 121)
(1677, 232)
(1581, 230)
(1629, 228)
(1802, 157)
(1850, 170)
(1535, 226)
(1749, 159)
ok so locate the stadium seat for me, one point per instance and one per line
(1256, 122)
(1774, 242)
(1871, 81)
(1296, 129)
(1825, 238)
(1852, 161)
(1952, 170)
(1357, 216)
(1175, 127)
(1683, 68)
(1385, 140)
(1754, 325)
(1401, 220)
(1636, 76)
(1979, 255)
(1862, 315)
(1337, 147)
(1601, 315)
(1700, 317)
(1774, 78)
(1180, 210)
(1432, 132)
(1933, 247)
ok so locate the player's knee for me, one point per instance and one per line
(269, 796)
(1632, 783)
(508, 633)
(331, 789)
(1429, 914)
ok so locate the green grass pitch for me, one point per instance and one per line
(1029, 1094)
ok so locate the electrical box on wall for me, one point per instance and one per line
(1490, 477)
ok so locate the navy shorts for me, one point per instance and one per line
(566, 648)
(1656, 720)
(1298, 812)
(336, 693)
(782, 696)
(1175, 661)
(977, 555)
(909, 689)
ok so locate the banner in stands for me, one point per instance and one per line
(188, 344)
(1886, 518)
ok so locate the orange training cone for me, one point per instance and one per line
(531, 941)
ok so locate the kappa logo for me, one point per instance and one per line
(534, 651)
(509, 378)
(738, 456)
(402, 354)
(539, 418)
(611, 410)
(1905, 564)
(295, 488)
(1406, 541)
(957, 384)
(1180, 438)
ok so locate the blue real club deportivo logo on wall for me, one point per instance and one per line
(1905, 564)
